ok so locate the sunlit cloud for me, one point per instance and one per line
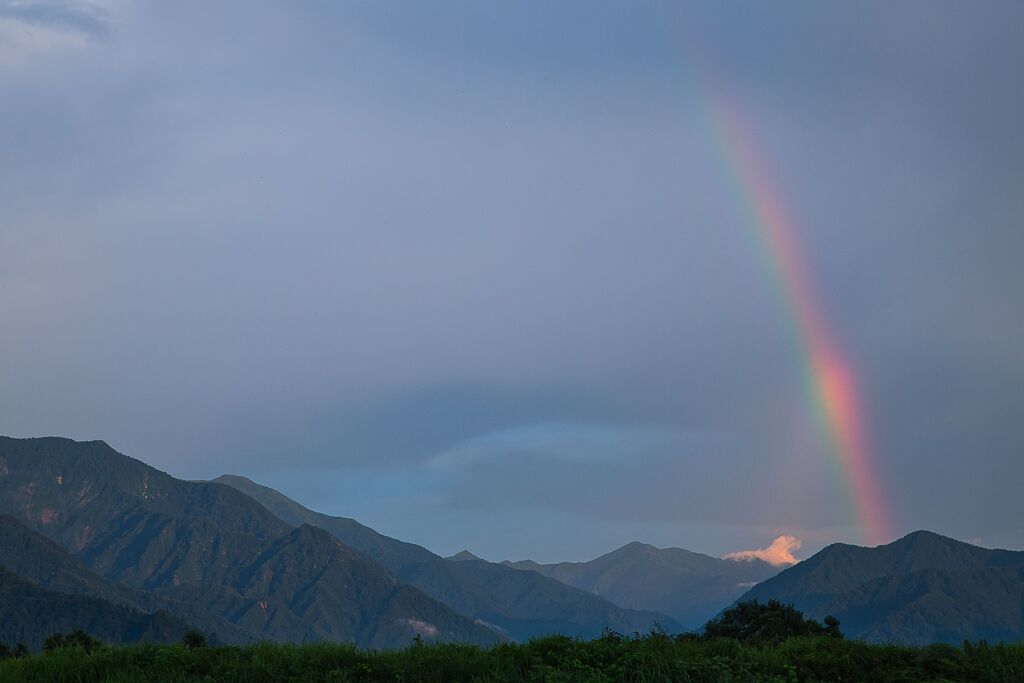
(778, 553)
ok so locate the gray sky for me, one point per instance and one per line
(474, 274)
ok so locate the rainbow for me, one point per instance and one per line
(830, 383)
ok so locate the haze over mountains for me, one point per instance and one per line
(93, 539)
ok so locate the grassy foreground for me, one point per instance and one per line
(655, 657)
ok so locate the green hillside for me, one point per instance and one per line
(29, 613)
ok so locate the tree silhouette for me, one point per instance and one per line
(767, 622)
(193, 639)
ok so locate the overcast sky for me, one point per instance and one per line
(473, 272)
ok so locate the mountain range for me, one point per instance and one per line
(214, 550)
(688, 586)
(96, 540)
(214, 556)
(518, 604)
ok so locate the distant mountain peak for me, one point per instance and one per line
(637, 546)
(688, 586)
(464, 556)
(925, 536)
(914, 542)
(224, 478)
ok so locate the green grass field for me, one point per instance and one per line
(655, 657)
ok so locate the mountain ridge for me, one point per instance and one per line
(921, 588)
(44, 589)
(486, 591)
(120, 547)
(186, 542)
(691, 587)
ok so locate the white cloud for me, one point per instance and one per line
(778, 553)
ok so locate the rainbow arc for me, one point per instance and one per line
(830, 382)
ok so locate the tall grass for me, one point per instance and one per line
(655, 657)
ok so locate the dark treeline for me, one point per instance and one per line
(750, 642)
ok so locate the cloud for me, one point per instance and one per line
(74, 15)
(779, 552)
(29, 28)
(617, 472)
(562, 441)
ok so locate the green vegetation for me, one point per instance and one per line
(75, 640)
(750, 642)
(193, 639)
(30, 613)
(771, 622)
(653, 657)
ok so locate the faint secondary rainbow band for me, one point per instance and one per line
(830, 382)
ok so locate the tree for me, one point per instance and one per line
(193, 639)
(832, 627)
(768, 622)
(54, 641)
(77, 638)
